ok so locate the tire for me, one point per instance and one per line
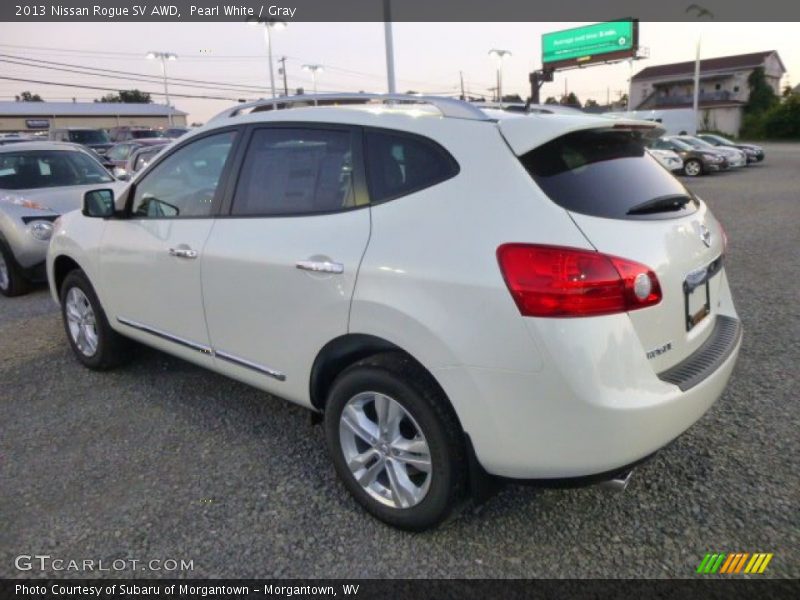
(692, 168)
(402, 493)
(12, 281)
(99, 347)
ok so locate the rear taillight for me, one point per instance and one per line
(551, 281)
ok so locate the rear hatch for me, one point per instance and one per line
(628, 205)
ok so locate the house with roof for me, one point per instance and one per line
(40, 116)
(723, 87)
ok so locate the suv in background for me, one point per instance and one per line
(754, 153)
(94, 139)
(124, 134)
(461, 294)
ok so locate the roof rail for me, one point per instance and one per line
(448, 107)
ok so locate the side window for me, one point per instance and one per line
(116, 153)
(185, 183)
(296, 171)
(399, 164)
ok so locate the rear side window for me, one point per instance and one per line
(606, 173)
(296, 171)
(399, 164)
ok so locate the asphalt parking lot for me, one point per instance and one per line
(162, 460)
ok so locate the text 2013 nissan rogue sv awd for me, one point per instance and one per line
(458, 291)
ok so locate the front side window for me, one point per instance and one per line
(49, 168)
(294, 171)
(399, 164)
(185, 183)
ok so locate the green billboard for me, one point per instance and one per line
(601, 42)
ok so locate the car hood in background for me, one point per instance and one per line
(60, 199)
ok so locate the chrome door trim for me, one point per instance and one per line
(320, 266)
(166, 336)
(243, 362)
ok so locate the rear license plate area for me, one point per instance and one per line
(697, 293)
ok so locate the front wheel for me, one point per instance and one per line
(693, 168)
(94, 343)
(395, 442)
(12, 281)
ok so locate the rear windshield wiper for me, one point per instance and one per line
(673, 202)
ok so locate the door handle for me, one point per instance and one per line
(183, 252)
(320, 266)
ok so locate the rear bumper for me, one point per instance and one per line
(598, 410)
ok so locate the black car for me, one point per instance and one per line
(754, 153)
(94, 139)
(695, 162)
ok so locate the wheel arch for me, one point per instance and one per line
(63, 265)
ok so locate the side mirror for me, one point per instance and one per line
(98, 203)
(121, 174)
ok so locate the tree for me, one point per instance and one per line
(570, 100)
(551, 100)
(131, 96)
(787, 91)
(28, 97)
(782, 121)
(590, 102)
(623, 100)
(762, 96)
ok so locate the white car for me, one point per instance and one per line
(462, 295)
(668, 159)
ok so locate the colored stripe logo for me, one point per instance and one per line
(734, 562)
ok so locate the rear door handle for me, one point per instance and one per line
(320, 266)
(183, 252)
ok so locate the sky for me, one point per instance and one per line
(428, 57)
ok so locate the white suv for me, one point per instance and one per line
(465, 294)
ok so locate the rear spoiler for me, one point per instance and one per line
(531, 131)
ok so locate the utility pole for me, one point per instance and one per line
(461, 75)
(282, 60)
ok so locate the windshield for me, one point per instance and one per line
(139, 134)
(681, 144)
(49, 168)
(604, 173)
(699, 144)
(89, 136)
(720, 139)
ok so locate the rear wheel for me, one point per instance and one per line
(12, 281)
(396, 442)
(93, 341)
(693, 168)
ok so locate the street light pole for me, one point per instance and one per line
(696, 96)
(164, 57)
(389, 40)
(499, 55)
(269, 24)
(314, 69)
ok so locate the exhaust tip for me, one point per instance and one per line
(618, 483)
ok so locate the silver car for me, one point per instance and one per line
(38, 182)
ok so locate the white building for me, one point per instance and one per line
(42, 116)
(723, 87)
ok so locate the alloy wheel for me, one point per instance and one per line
(385, 450)
(5, 279)
(81, 322)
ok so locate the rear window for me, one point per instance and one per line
(138, 134)
(609, 174)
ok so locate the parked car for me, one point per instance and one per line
(695, 162)
(175, 132)
(15, 138)
(669, 159)
(94, 139)
(753, 152)
(736, 158)
(138, 160)
(124, 134)
(460, 295)
(118, 155)
(38, 182)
